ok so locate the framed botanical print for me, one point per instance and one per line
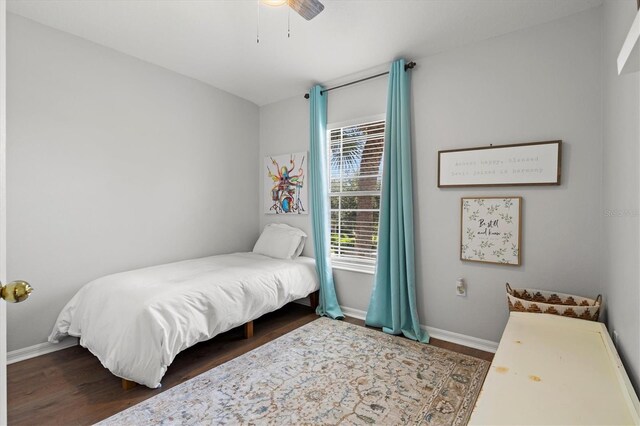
(490, 229)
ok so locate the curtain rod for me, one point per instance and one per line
(407, 66)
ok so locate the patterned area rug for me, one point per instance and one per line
(326, 372)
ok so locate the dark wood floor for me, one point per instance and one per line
(70, 386)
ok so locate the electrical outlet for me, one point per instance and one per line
(615, 338)
(461, 289)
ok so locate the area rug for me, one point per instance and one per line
(326, 372)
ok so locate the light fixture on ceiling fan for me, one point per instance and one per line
(308, 9)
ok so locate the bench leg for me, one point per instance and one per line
(314, 299)
(248, 330)
(128, 384)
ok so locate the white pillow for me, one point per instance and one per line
(280, 241)
(300, 232)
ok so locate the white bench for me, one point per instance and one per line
(552, 370)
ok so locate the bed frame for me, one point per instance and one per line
(314, 300)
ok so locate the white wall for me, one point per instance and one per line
(114, 164)
(3, 211)
(533, 85)
(621, 140)
(538, 84)
(284, 128)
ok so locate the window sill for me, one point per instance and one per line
(362, 269)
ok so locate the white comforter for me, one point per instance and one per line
(137, 322)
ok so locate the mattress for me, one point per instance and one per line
(136, 322)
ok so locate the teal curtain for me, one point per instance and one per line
(319, 206)
(393, 300)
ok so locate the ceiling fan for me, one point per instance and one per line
(308, 9)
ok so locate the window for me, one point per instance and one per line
(355, 173)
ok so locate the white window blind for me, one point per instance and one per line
(355, 173)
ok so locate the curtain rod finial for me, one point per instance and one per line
(306, 96)
(409, 65)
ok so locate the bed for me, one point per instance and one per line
(136, 322)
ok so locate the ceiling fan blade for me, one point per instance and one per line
(308, 9)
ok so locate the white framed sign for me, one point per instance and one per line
(536, 163)
(490, 229)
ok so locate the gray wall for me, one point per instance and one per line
(537, 84)
(621, 140)
(114, 164)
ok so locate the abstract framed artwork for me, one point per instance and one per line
(490, 229)
(535, 163)
(285, 189)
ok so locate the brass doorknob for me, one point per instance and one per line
(16, 291)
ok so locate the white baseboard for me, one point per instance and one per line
(46, 347)
(355, 313)
(436, 333)
(39, 349)
(462, 339)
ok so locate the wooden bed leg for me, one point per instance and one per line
(128, 384)
(314, 299)
(248, 330)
